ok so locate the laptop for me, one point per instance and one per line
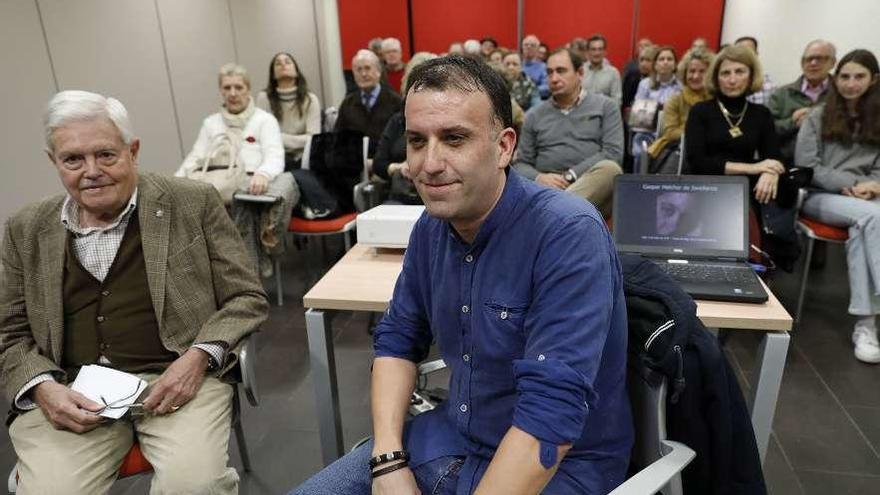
(694, 227)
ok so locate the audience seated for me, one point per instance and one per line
(456, 48)
(522, 88)
(790, 104)
(657, 89)
(392, 59)
(375, 46)
(496, 57)
(761, 96)
(297, 109)
(543, 52)
(133, 271)
(389, 163)
(255, 135)
(574, 141)
(600, 77)
(472, 49)
(541, 347)
(840, 140)
(368, 109)
(533, 66)
(487, 46)
(700, 44)
(692, 74)
(727, 135)
(635, 70)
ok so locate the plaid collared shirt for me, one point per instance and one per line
(763, 96)
(96, 247)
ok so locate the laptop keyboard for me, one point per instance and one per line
(685, 272)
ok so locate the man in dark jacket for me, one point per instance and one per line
(368, 109)
(791, 103)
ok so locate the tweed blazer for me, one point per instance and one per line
(202, 285)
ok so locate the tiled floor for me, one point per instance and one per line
(826, 436)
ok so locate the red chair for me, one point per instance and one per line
(814, 231)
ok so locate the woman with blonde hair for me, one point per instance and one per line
(691, 75)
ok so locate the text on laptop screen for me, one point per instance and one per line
(695, 216)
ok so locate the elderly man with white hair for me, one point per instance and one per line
(132, 271)
(367, 109)
(392, 56)
(533, 66)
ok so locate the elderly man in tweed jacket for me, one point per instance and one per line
(132, 271)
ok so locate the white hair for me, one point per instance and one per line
(231, 70)
(472, 47)
(367, 55)
(78, 106)
(823, 42)
(391, 44)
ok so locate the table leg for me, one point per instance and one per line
(323, 368)
(771, 363)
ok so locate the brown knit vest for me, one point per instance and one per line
(114, 318)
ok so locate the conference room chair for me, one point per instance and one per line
(659, 460)
(135, 463)
(322, 228)
(814, 230)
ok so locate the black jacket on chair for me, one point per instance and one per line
(708, 414)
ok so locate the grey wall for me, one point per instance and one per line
(159, 57)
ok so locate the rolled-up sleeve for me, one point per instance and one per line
(566, 330)
(403, 332)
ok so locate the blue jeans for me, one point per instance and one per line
(350, 475)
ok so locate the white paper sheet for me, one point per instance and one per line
(111, 387)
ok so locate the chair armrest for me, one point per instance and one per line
(431, 367)
(660, 473)
(247, 363)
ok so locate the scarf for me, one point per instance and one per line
(234, 129)
(286, 94)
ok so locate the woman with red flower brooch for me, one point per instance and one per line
(253, 137)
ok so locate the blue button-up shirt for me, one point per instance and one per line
(537, 72)
(530, 318)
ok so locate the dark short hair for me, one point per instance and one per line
(747, 38)
(597, 37)
(576, 60)
(490, 39)
(466, 75)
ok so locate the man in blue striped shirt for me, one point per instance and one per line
(521, 288)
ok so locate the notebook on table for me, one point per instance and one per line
(694, 227)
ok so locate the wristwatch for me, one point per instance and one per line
(570, 176)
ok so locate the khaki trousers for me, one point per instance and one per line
(187, 448)
(597, 186)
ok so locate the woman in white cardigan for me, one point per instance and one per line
(257, 137)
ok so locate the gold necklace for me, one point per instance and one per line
(734, 130)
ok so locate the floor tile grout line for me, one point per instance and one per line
(840, 473)
(797, 479)
(837, 400)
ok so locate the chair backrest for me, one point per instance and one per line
(681, 157)
(647, 395)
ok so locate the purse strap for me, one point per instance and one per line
(221, 141)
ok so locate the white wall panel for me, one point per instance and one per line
(114, 47)
(198, 40)
(266, 27)
(784, 27)
(27, 86)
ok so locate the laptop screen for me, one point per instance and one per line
(682, 216)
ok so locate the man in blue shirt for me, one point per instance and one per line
(521, 288)
(533, 66)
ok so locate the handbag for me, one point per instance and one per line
(227, 178)
(790, 183)
(643, 115)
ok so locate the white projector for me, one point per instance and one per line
(387, 226)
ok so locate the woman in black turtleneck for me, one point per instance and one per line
(727, 135)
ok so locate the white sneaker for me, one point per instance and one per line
(867, 350)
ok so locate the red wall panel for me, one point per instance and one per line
(678, 22)
(362, 20)
(556, 22)
(436, 24)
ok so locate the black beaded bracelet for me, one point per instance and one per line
(397, 455)
(390, 469)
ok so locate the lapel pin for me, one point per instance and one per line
(159, 213)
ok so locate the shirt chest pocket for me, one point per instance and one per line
(504, 326)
